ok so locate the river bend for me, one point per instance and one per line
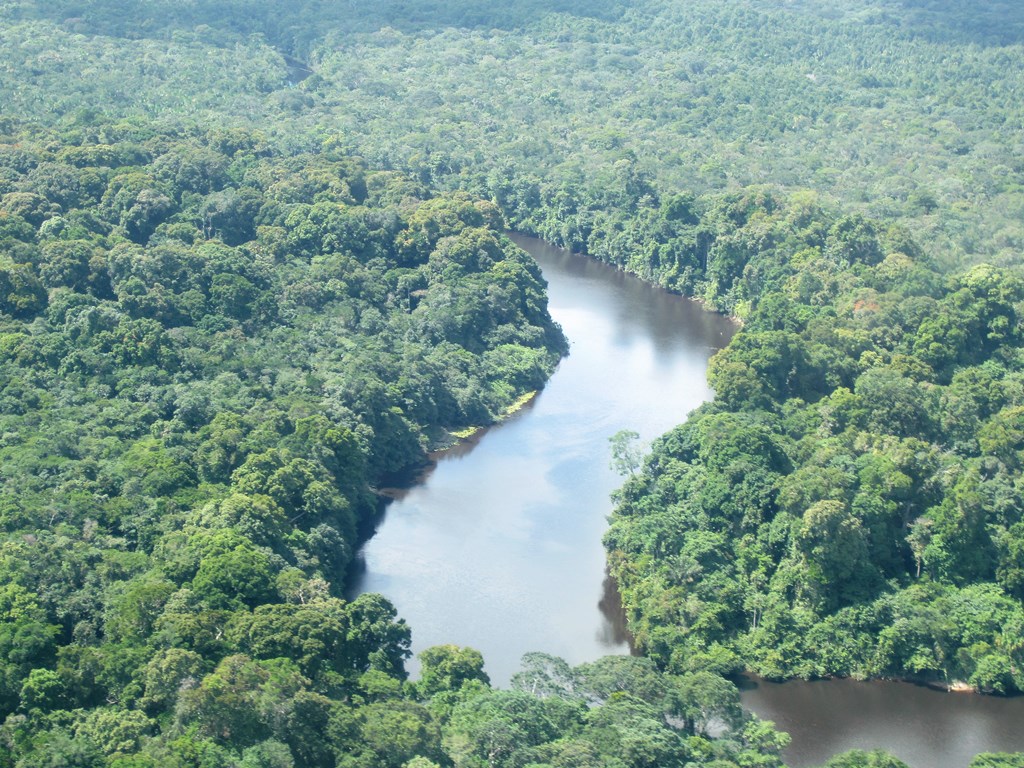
(498, 544)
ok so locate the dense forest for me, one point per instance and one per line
(211, 351)
(574, 115)
(850, 502)
(252, 261)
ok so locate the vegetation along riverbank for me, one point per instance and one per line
(232, 298)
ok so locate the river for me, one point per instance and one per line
(497, 545)
(923, 727)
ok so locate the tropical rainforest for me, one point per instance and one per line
(252, 261)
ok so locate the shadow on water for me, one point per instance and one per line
(397, 485)
(615, 630)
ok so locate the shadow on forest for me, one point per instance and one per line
(990, 23)
(295, 26)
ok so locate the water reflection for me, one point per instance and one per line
(615, 630)
(923, 727)
(498, 544)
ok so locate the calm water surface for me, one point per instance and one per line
(499, 546)
(923, 727)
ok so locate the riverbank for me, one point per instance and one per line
(453, 438)
(497, 544)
